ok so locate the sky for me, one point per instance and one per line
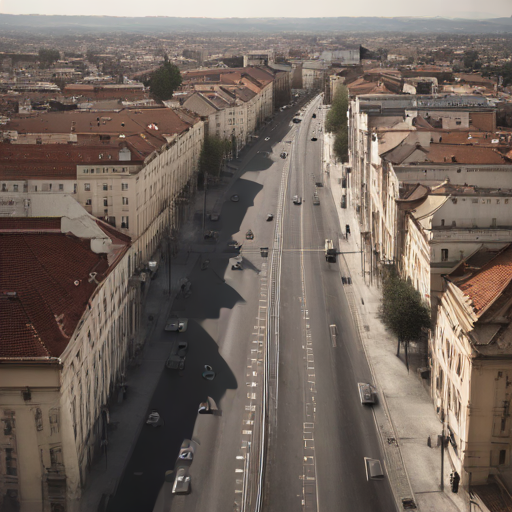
(263, 8)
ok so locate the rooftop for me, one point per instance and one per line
(45, 284)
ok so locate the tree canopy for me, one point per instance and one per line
(212, 153)
(164, 81)
(403, 311)
(47, 56)
(336, 123)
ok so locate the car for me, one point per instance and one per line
(187, 450)
(233, 244)
(316, 199)
(208, 407)
(267, 138)
(182, 348)
(297, 200)
(154, 419)
(314, 139)
(249, 235)
(373, 469)
(176, 325)
(284, 154)
(211, 235)
(208, 372)
(214, 217)
(270, 217)
(314, 116)
(366, 394)
(175, 362)
(297, 120)
(235, 198)
(181, 481)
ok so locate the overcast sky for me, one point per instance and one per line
(263, 8)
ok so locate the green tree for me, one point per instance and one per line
(47, 57)
(341, 145)
(212, 153)
(471, 59)
(403, 311)
(337, 116)
(164, 81)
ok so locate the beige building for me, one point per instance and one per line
(472, 365)
(61, 362)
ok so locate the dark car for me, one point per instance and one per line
(297, 120)
(210, 235)
(314, 139)
(314, 116)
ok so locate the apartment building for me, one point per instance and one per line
(128, 168)
(71, 313)
(472, 365)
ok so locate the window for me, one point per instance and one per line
(442, 222)
(35, 188)
(503, 456)
(506, 201)
(15, 188)
(458, 121)
(61, 187)
(105, 201)
(125, 200)
(474, 201)
(56, 456)
(50, 187)
(75, 188)
(87, 187)
(88, 202)
(86, 171)
(124, 222)
(493, 222)
(105, 186)
(4, 187)
(444, 254)
(124, 186)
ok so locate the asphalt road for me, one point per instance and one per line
(322, 432)
(223, 310)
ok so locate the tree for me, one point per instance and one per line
(337, 116)
(341, 145)
(212, 153)
(470, 59)
(47, 57)
(403, 311)
(164, 81)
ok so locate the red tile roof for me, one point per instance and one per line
(484, 286)
(49, 275)
(464, 154)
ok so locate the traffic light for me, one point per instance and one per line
(454, 481)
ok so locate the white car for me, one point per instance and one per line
(267, 138)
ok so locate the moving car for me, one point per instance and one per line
(314, 116)
(284, 154)
(233, 244)
(249, 235)
(297, 120)
(182, 481)
(314, 139)
(211, 235)
(316, 199)
(267, 138)
(297, 200)
(373, 469)
(235, 198)
(270, 217)
(176, 325)
(208, 407)
(154, 419)
(366, 394)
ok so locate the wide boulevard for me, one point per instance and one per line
(290, 433)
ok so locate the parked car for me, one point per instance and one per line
(182, 481)
(314, 139)
(284, 154)
(249, 235)
(267, 138)
(187, 450)
(297, 120)
(235, 198)
(373, 469)
(270, 217)
(314, 116)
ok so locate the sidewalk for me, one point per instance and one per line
(405, 415)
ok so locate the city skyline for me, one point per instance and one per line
(285, 9)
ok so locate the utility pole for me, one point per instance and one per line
(205, 184)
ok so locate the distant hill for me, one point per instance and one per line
(70, 24)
